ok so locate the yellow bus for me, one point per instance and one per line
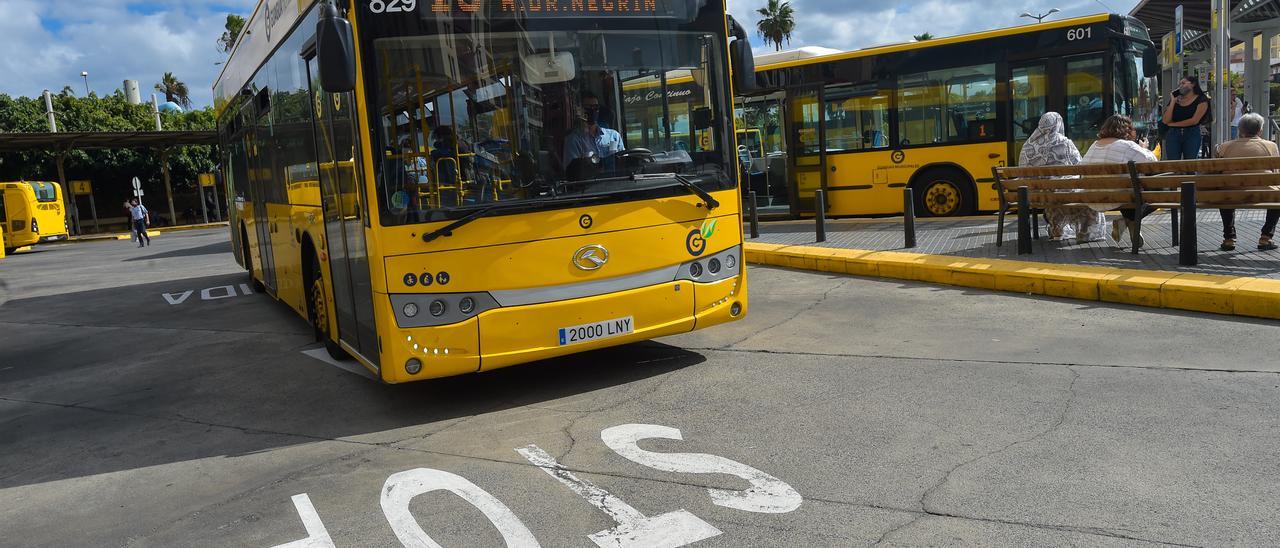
(456, 186)
(32, 212)
(935, 116)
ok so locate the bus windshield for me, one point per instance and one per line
(470, 119)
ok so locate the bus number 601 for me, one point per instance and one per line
(1079, 34)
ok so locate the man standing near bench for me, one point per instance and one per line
(1248, 145)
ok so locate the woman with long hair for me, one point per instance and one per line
(1186, 110)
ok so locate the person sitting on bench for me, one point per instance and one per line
(1249, 145)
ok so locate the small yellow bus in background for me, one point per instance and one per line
(32, 213)
(934, 116)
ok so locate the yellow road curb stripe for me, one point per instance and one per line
(1241, 296)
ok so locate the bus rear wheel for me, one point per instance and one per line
(247, 255)
(319, 315)
(943, 193)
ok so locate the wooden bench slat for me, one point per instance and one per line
(1093, 183)
(1241, 197)
(1209, 165)
(1059, 171)
(1212, 182)
(1088, 197)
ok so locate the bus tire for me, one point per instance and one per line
(318, 312)
(247, 255)
(943, 192)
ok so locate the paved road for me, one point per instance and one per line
(843, 412)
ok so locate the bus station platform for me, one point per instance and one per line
(963, 252)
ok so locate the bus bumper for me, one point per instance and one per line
(52, 238)
(514, 335)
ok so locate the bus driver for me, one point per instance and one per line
(590, 142)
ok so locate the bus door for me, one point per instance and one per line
(263, 224)
(807, 132)
(1028, 101)
(344, 214)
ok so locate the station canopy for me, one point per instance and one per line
(11, 142)
(1157, 15)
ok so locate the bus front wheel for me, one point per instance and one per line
(319, 312)
(942, 192)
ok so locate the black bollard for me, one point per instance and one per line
(1173, 222)
(1187, 247)
(1024, 221)
(755, 217)
(820, 213)
(908, 218)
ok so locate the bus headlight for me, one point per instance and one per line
(695, 270)
(35, 227)
(413, 366)
(713, 266)
(437, 308)
(410, 309)
(467, 305)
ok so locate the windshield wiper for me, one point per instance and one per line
(448, 229)
(712, 203)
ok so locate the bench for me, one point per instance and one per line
(1177, 185)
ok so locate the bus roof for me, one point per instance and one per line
(763, 63)
(263, 31)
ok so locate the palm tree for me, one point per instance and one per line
(777, 22)
(923, 37)
(233, 26)
(174, 90)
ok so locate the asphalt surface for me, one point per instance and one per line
(858, 411)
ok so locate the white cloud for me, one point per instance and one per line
(113, 43)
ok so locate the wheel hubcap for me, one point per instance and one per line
(321, 309)
(942, 198)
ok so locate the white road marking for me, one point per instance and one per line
(400, 488)
(768, 495)
(317, 535)
(350, 366)
(227, 291)
(178, 298)
(668, 530)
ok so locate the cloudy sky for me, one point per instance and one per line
(47, 43)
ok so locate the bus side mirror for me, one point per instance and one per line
(335, 51)
(744, 66)
(1150, 63)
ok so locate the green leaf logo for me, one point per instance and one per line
(708, 228)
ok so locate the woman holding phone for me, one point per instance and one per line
(1186, 109)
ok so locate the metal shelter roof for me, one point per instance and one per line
(105, 139)
(1196, 15)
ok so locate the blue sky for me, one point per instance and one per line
(47, 43)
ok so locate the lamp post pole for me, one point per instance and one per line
(85, 75)
(1039, 18)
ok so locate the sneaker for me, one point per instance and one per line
(1265, 244)
(1228, 245)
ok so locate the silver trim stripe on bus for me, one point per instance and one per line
(729, 261)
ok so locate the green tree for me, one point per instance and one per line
(234, 25)
(923, 37)
(174, 90)
(777, 22)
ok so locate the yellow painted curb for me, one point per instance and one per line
(150, 234)
(1256, 297)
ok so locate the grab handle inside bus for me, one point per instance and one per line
(335, 51)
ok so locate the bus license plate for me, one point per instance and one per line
(594, 331)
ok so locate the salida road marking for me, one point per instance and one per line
(767, 495)
(208, 294)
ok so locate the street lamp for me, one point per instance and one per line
(85, 75)
(1039, 18)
